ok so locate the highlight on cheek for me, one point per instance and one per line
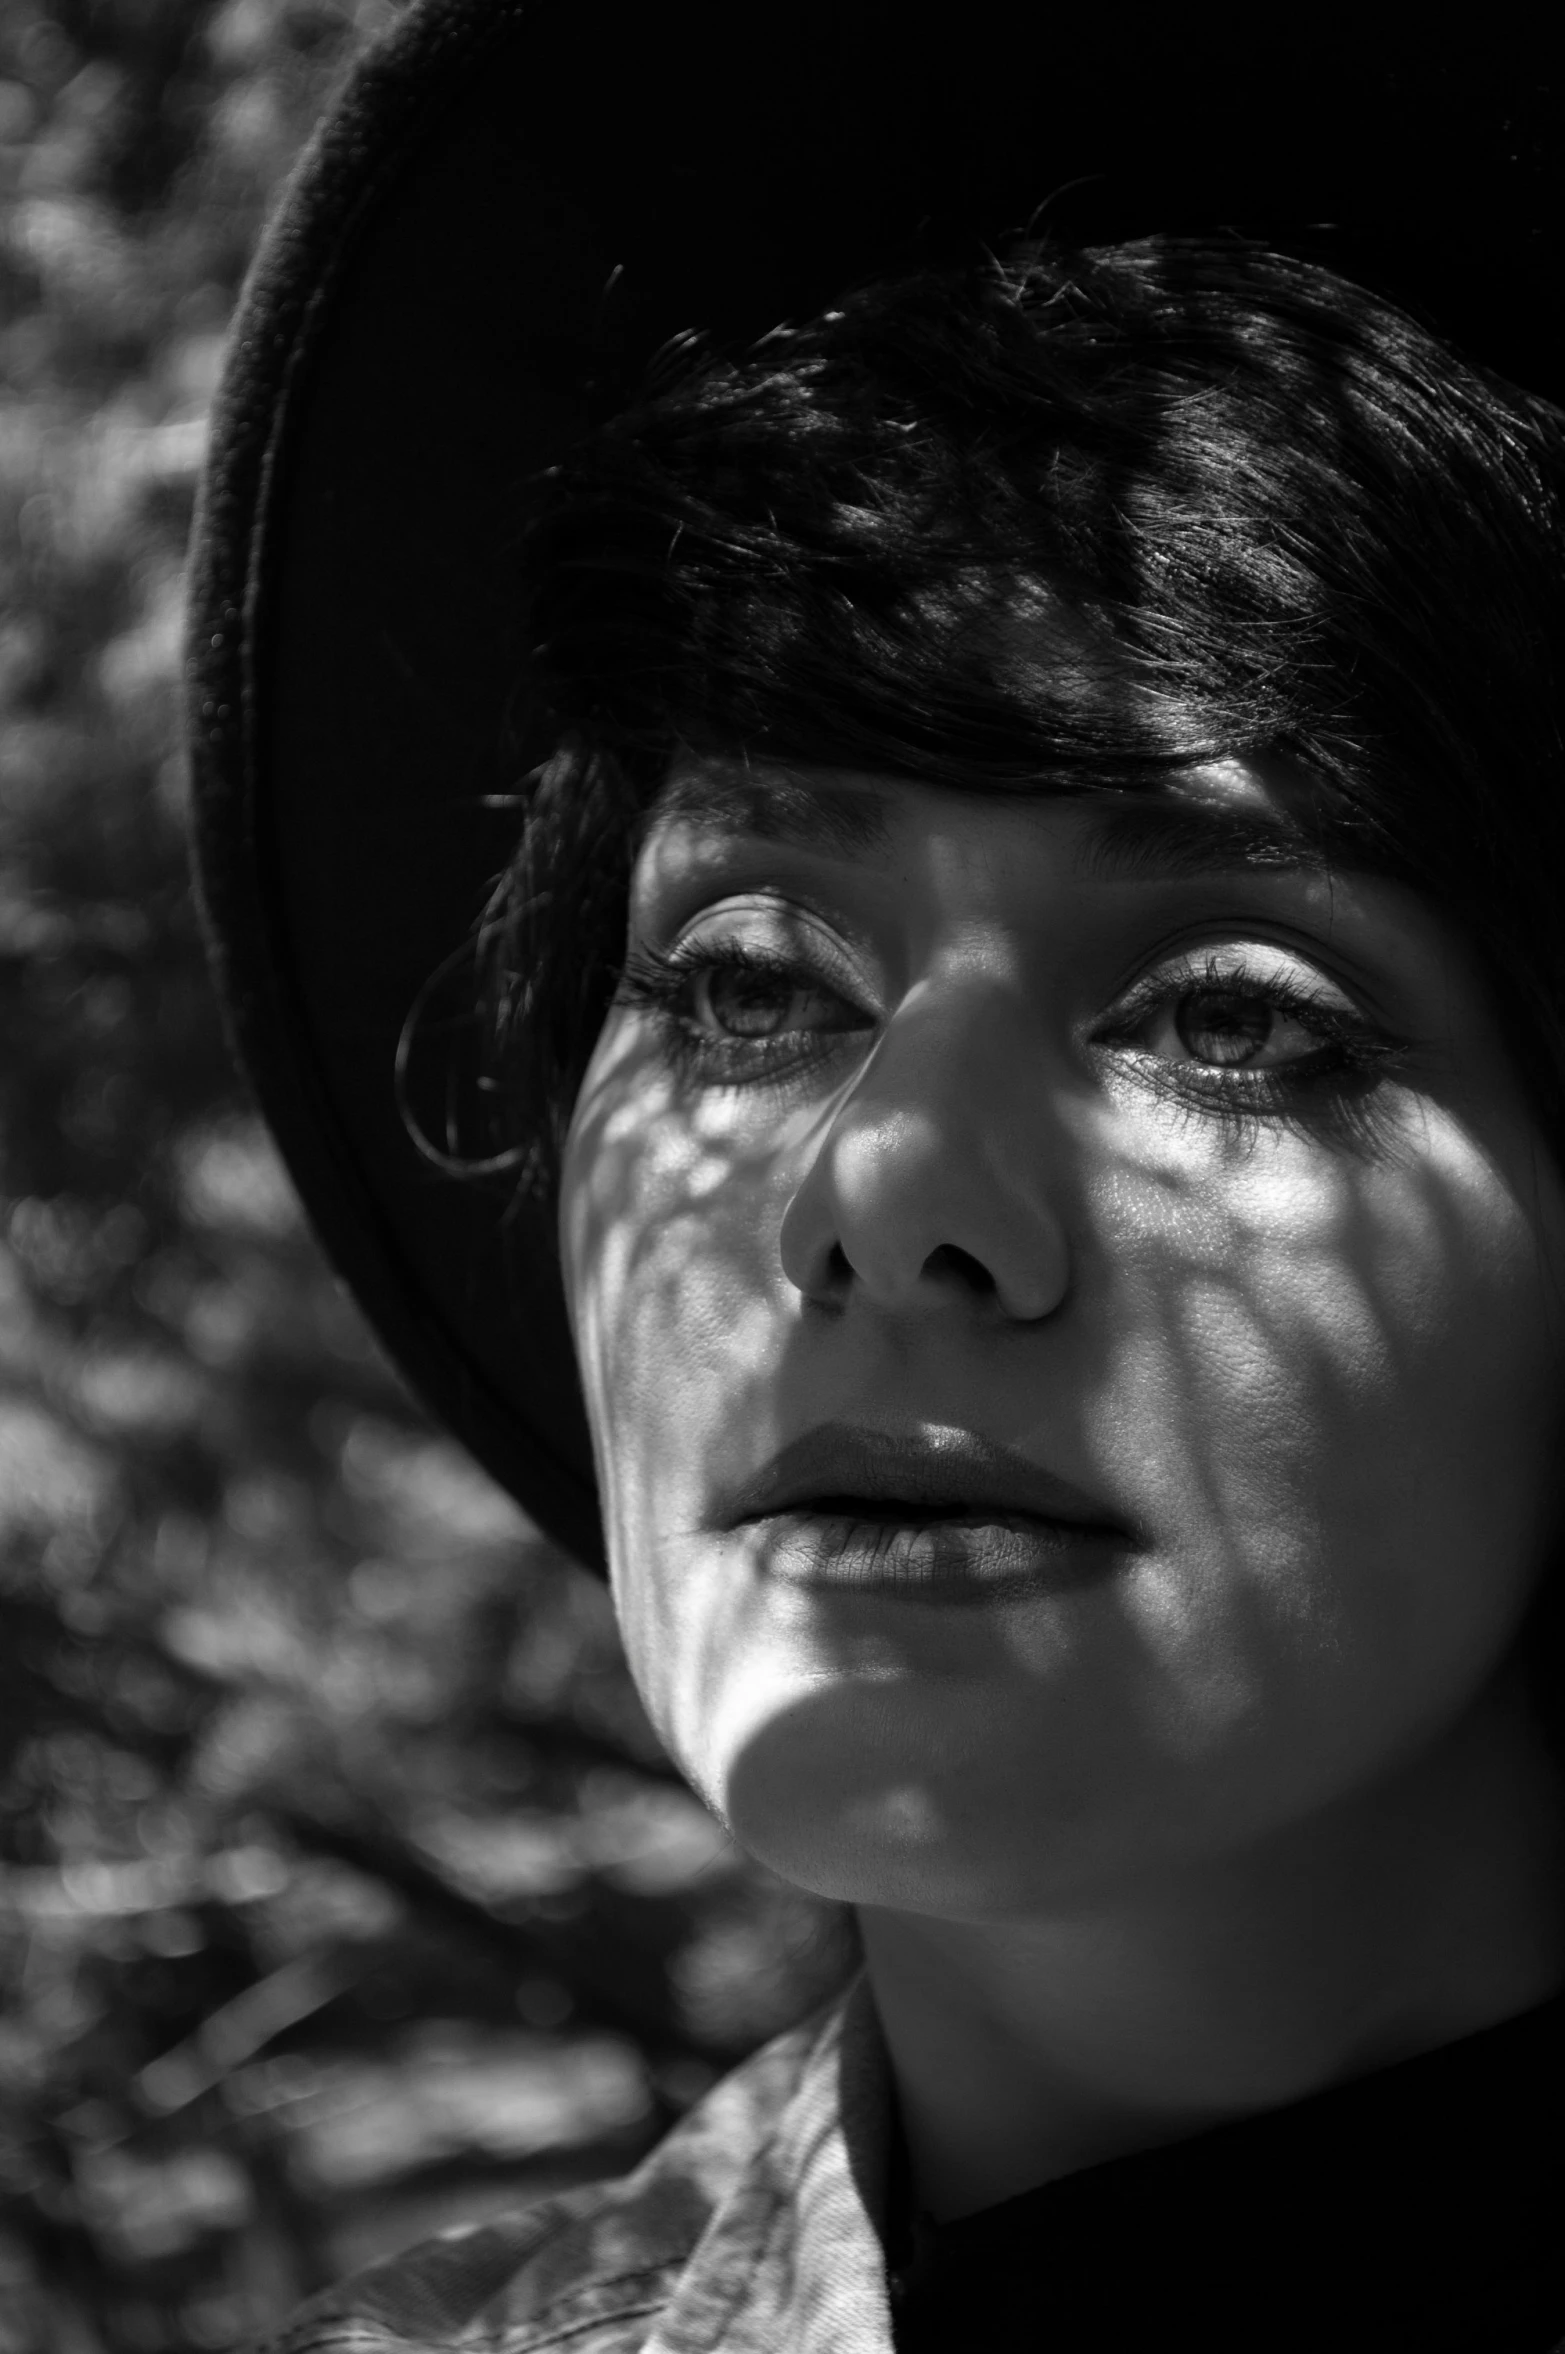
(665, 1219)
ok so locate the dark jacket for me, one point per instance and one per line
(1416, 2209)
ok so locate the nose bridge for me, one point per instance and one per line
(940, 1161)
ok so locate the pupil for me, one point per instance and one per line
(747, 1005)
(1216, 1027)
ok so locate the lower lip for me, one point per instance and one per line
(939, 1559)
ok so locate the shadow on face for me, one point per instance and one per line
(1197, 1183)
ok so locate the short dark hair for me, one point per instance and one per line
(1060, 522)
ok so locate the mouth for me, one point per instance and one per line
(940, 1514)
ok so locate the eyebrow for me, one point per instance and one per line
(1134, 837)
(805, 812)
(1166, 840)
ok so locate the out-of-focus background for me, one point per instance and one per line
(344, 1892)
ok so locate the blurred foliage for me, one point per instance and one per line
(345, 1891)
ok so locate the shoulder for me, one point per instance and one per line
(591, 2267)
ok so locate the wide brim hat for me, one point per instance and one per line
(512, 206)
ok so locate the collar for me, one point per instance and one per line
(792, 2256)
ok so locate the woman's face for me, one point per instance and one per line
(1065, 1296)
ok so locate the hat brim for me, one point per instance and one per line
(511, 207)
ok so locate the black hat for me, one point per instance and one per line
(512, 206)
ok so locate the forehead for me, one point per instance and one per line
(1221, 816)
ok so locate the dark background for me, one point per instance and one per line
(344, 1892)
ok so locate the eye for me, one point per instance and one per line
(1245, 1011)
(756, 1001)
(1229, 1027)
(732, 1010)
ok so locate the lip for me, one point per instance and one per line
(936, 1514)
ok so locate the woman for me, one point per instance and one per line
(1028, 989)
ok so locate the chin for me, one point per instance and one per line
(890, 1796)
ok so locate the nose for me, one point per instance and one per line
(941, 1174)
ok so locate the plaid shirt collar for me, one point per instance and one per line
(751, 2229)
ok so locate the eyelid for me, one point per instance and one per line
(792, 935)
(1234, 960)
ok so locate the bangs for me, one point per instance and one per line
(1061, 522)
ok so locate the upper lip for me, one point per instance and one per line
(837, 1465)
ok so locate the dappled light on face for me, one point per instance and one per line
(1308, 1381)
(1299, 1358)
(1270, 1366)
(675, 1295)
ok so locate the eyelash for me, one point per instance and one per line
(1338, 1077)
(656, 981)
(1337, 1080)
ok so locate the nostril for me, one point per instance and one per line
(950, 1260)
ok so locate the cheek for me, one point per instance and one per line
(1327, 1387)
(668, 1231)
(1340, 1381)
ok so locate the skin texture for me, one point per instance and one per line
(1248, 1797)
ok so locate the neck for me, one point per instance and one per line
(1417, 1912)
